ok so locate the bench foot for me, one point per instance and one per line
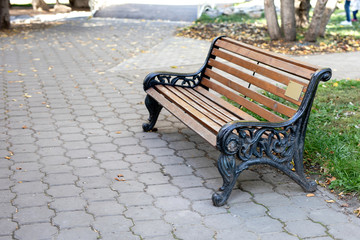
(154, 109)
(227, 168)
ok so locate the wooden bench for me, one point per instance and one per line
(273, 94)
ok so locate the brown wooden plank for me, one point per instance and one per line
(257, 68)
(217, 108)
(196, 105)
(241, 115)
(267, 59)
(302, 64)
(252, 79)
(274, 55)
(207, 104)
(183, 117)
(242, 101)
(266, 101)
(206, 121)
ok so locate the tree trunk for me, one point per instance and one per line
(79, 3)
(271, 20)
(40, 5)
(314, 28)
(288, 19)
(302, 9)
(4, 14)
(329, 10)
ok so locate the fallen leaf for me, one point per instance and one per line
(345, 205)
(118, 132)
(18, 168)
(357, 212)
(120, 175)
(7, 157)
(117, 179)
(173, 66)
(310, 195)
(330, 201)
(329, 180)
(19, 181)
(24, 127)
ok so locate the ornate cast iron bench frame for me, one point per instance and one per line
(277, 139)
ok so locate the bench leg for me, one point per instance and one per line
(227, 168)
(299, 176)
(154, 109)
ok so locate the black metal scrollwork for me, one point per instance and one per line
(172, 79)
(277, 144)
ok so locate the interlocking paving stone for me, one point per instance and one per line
(33, 215)
(105, 208)
(36, 231)
(112, 224)
(306, 228)
(68, 204)
(194, 231)
(78, 233)
(153, 228)
(7, 226)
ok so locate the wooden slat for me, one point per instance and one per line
(205, 103)
(210, 124)
(274, 55)
(196, 105)
(267, 59)
(231, 108)
(252, 79)
(183, 117)
(268, 102)
(242, 101)
(213, 103)
(277, 76)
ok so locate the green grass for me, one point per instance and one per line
(334, 26)
(235, 18)
(333, 134)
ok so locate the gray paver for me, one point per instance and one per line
(33, 215)
(36, 231)
(83, 130)
(73, 219)
(306, 228)
(78, 233)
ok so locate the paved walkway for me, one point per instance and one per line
(75, 163)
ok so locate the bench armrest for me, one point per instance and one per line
(173, 79)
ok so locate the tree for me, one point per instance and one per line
(320, 18)
(302, 9)
(4, 14)
(79, 3)
(288, 25)
(271, 19)
(40, 5)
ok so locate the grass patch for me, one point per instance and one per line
(333, 135)
(234, 18)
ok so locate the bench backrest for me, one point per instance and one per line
(267, 84)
